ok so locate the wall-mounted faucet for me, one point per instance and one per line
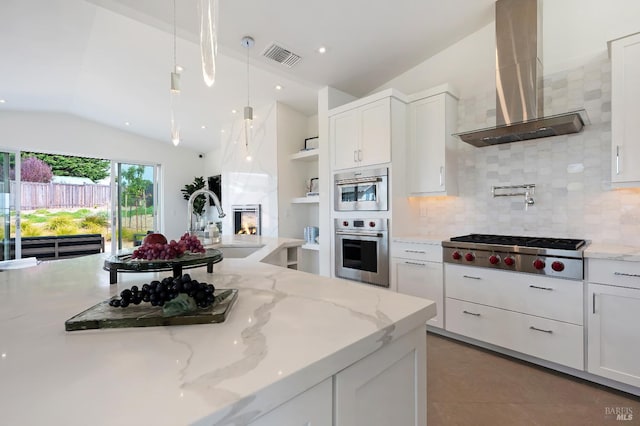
(190, 206)
(527, 190)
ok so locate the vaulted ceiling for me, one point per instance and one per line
(109, 60)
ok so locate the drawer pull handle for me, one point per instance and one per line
(471, 313)
(539, 329)
(624, 274)
(414, 263)
(594, 303)
(472, 278)
(415, 251)
(541, 288)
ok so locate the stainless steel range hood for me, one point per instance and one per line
(519, 93)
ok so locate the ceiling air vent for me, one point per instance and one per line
(281, 55)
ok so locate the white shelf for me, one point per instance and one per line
(308, 155)
(309, 246)
(304, 200)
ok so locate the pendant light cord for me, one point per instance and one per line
(175, 62)
(248, 102)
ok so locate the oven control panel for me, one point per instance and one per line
(361, 224)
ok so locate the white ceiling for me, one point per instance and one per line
(110, 60)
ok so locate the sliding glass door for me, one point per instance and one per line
(10, 205)
(134, 203)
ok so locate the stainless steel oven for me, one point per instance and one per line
(362, 250)
(362, 190)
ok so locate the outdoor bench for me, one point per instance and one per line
(60, 247)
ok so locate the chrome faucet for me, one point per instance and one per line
(190, 206)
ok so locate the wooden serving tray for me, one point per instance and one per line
(145, 315)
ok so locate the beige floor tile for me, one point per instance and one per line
(467, 385)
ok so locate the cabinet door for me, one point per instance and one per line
(375, 140)
(387, 387)
(625, 109)
(422, 279)
(426, 151)
(613, 345)
(310, 408)
(345, 135)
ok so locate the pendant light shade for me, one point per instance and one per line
(208, 39)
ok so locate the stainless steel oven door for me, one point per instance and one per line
(362, 250)
(362, 190)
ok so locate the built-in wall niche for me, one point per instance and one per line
(247, 219)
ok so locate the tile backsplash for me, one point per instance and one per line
(572, 173)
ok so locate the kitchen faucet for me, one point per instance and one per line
(190, 206)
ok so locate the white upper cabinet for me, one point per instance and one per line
(431, 150)
(361, 136)
(625, 110)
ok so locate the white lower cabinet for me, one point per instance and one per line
(311, 408)
(534, 315)
(416, 270)
(386, 388)
(613, 349)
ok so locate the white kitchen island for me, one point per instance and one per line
(295, 348)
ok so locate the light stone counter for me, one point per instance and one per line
(612, 252)
(287, 332)
(422, 239)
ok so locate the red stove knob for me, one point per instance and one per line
(557, 266)
(509, 261)
(456, 255)
(345, 223)
(538, 264)
(494, 260)
(372, 224)
(469, 257)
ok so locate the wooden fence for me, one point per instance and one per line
(59, 195)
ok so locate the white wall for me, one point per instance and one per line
(574, 32)
(66, 134)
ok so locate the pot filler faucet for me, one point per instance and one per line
(190, 206)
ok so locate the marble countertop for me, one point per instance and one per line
(288, 331)
(612, 252)
(421, 239)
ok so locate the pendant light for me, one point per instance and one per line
(248, 43)
(208, 39)
(175, 87)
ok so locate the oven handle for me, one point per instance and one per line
(361, 234)
(372, 179)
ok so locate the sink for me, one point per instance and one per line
(234, 252)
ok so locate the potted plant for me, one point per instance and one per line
(199, 202)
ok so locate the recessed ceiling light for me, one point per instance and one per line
(278, 87)
(322, 49)
(126, 123)
(2, 101)
(179, 68)
(222, 131)
(233, 111)
(203, 127)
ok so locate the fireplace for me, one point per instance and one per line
(247, 219)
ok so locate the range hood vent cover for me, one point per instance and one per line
(553, 125)
(519, 93)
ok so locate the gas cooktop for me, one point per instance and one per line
(557, 257)
(509, 240)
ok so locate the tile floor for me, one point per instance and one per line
(472, 386)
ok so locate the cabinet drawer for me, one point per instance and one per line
(421, 279)
(553, 298)
(416, 251)
(554, 341)
(614, 272)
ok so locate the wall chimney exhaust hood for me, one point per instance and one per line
(519, 92)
